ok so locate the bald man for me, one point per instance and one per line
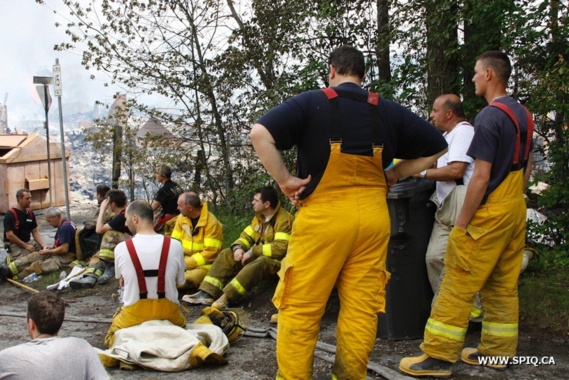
(453, 172)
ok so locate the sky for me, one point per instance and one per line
(27, 37)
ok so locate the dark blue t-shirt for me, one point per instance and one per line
(495, 139)
(305, 121)
(66, 234)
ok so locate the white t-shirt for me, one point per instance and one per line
(148, 248)
(458, 140)
(52, 358)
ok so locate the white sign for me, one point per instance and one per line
(57, 79)
(43, 92)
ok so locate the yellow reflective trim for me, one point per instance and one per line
(213, 281)
(244, 243)
(107, 254)
(444, 330)
(215, 243)
(500, 329)
(249, 231)
(187, 245)
(13, 268)
(199, 259)
(197, 246)
(476, 312)
(238, 287)
(282, 236)
(177, 235)
(267, 250)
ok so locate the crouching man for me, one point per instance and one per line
(149, 267)
(47, 356)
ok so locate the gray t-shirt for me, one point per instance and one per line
(52, 358)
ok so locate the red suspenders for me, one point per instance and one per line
(513, 117)
(141, 274)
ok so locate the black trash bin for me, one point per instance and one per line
(409, 294)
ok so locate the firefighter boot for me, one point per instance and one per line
(472, 356)
(108, 275)
(199, 298)
(424, 365)
(4, 273)
(83, 282)
(221, 303)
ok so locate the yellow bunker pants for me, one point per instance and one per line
(485, 257)
(142, 311)
(340, 236)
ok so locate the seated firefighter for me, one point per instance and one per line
(87, 240)
(101, 267)
(47, 356)
(166, 199)
(253, 257)
(19, 226)
(149, 267)
(50, 258)
(201, 235)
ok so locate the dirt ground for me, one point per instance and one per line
(254, 358)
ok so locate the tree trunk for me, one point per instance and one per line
(382, 48)
(442, 45)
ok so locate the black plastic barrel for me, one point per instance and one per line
(409, 294)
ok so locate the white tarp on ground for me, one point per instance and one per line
(162, 346)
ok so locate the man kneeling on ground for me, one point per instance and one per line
(48, 356)
(148, 266)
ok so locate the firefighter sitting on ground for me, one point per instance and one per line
(101, 267)
(201, 235)
(149, 267)
(255, 256)
(19, 226)
(50, 258)
(165, 200)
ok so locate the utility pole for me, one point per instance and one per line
(45, 96)
(58, 92)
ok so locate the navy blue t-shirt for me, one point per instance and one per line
(495, 139)
(66, 234)
(305, 121)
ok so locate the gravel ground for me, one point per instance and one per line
(254, 358)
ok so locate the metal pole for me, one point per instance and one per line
(47, 139)
(63, 158)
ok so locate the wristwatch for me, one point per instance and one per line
(423, 174)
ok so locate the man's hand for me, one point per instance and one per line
(391, 178)
(246, 257)
(293, 187)
(29, 248)
(238, 254)
(46, 251)
(104, 204)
